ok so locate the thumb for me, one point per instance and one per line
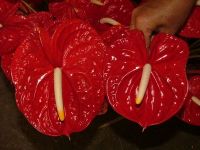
(133, 20)
(142, 24)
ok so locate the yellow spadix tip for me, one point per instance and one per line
(61, 115)
(138, 101)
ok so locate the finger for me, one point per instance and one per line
(167, 30)
(133, 21)
(147, 30)
(144, 24)
(147, 37)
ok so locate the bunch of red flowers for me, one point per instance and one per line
(64, 61)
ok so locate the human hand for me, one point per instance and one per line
(166, 16)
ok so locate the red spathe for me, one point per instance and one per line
(78, 51)
(167, 86)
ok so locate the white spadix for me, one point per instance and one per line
(143, 83)
(196, 100)
(109, 21)
(97, 2)
(58, 93)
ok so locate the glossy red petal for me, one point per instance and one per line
(11, 28)
(124, 44)
(11, 35)
(14, 33)
(119, 10)
(168, 58)
(190, 113)
(32, 71)
(83, 63)
(16, 28)
(192, 26)
(8, 8)
(167, 86)
(41, 19)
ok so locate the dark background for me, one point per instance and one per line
(17, 134)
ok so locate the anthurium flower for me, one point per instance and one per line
(14, 27)
(190, 112)
(58, 78)
(19, 31)
(147, 86)
(192, 26)
(10, 26)
(96, 10)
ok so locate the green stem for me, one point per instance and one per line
(195, 44)
(195, 50)
(193, 71)
(110, 122)
(28, 6)
(194, 57)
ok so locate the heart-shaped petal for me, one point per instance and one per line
(167, 85)
(78, 51)
(190, 112)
